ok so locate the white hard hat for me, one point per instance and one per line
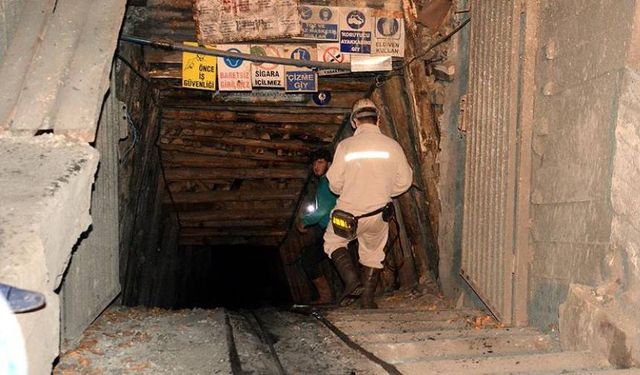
(364, 107)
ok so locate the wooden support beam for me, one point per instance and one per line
(205, 150)
(233, 196)
(230, 241)
(230, 223)
(231, 232)
(198, 140)
(179, 174)
(177, 96)
(262, 114)
(216, 215)
(178, 159)
(322, 131)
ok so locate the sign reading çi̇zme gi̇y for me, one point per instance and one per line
(300, 79)
(225, 21)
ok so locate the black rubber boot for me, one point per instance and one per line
(347, 271)
(370, 280)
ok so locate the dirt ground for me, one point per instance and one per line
(156, 341)
(150, 341)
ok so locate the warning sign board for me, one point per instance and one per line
(234, 74)
(356, 29)
(266, 75)
(388, 37)
(228, 21)
(301, 79)
(198, 71)
(330, 52)
(319, 23)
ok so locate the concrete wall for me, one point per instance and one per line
(9, 15)
(45, 188)
(582, 53)
(92, 281)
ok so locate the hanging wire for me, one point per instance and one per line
(382, 78)
(135, 136)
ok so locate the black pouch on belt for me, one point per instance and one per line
(345, 224)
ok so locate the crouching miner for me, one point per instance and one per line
(315, 221)
(368, 170)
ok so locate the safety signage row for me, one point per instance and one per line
(211, 73)
(356, 30)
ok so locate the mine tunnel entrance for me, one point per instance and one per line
(213, 183)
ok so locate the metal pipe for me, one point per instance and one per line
(173, 46)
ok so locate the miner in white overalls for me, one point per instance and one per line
(368, 170)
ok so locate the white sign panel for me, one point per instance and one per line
(388, 37)
(267, 75)
(234, 74)
(300, 79)
(228, 21)
(356, 30)
(371, 63)
(319, 23)
(330, 53)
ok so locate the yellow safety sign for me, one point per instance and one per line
(199, 71)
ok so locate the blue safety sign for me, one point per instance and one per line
(301, 79)
(301, 54)
(322, 98)
(233, 62)
(356, 33)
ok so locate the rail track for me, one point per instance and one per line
(252, 346)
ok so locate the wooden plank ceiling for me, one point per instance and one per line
(235, 166)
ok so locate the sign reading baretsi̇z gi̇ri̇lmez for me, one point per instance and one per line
(225, 21)
(356, 30)
(319, 23)
(234, 74)
(301, 79)
(267, 75)
(198, 71)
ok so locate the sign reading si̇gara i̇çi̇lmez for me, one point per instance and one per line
(267, 75)
(227, 21)
(234, 74)
(198, 71)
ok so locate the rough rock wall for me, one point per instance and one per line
(147, 241)
(579, 75)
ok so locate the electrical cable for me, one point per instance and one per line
(381, 78)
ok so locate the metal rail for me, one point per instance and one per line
(171, 45)
(388, 367)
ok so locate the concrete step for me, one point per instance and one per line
(407, 337)
(464, 347)
(357, 327)
(630, 371)
(401, 315)
(562, 362)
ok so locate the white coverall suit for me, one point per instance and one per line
(368, 169)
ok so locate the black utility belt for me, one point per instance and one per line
(345, 224)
